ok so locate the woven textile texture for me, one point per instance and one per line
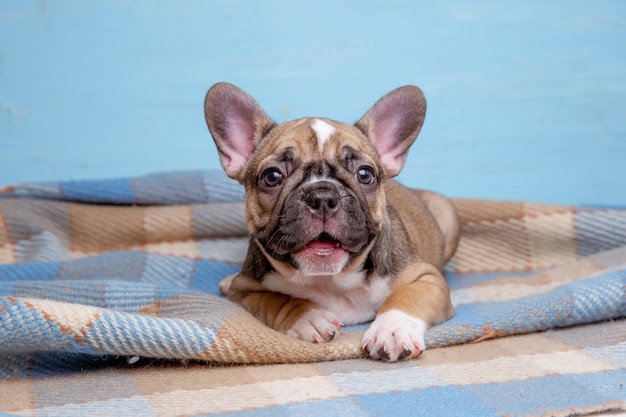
(107, 285)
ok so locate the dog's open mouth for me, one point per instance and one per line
(324, 245)
(322, 255)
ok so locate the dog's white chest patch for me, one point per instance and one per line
(349, 296)
(323, 130)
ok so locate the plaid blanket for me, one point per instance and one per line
(119, 277)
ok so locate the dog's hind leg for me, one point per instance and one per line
(446, 216)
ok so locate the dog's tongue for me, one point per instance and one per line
(322, 247)
(321, 257)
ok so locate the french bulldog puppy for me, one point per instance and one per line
(333, 239)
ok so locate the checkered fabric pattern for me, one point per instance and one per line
(119, 278)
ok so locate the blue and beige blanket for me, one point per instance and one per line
(109, 301)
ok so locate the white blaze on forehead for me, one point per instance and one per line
(323, 131)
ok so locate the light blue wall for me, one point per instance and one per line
(527, 100)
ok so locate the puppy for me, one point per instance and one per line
(333, 239)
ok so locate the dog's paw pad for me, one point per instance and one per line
(394, 336)
(315, 326)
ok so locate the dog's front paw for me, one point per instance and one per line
(316, 326)
(393, 336)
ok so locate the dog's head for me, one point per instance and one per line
(315, 199)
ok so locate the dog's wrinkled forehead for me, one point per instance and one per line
(316, 140)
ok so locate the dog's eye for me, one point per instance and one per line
(272, 178)
(365, 175)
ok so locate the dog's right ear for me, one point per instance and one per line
(393, 123)
(237, 123)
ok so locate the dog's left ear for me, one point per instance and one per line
(237, 124)
(392, 124)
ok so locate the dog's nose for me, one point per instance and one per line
(323, 200)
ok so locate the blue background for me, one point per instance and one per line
(526, 100)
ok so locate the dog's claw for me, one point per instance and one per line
(394, 336)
